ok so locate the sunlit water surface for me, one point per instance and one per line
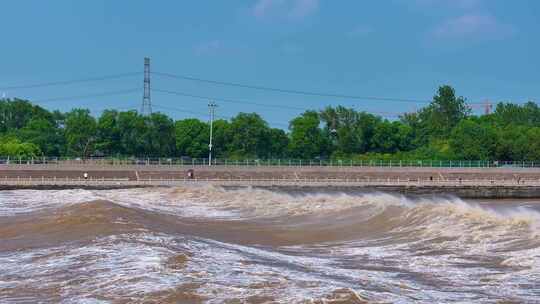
(210, 245)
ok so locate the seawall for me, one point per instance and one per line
(461, 182)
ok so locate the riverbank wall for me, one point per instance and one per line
(461, 182)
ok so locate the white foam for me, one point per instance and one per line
(212, 202)
(494, 252)
(119, 266)
(25, 201)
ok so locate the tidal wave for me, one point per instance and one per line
(208, 244)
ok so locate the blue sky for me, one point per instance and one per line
(400, 49)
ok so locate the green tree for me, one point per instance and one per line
(80, 132)
(341, 129)
(14, 148)
(390, 137)
(513, 143)
(192, 138)
(366, 126)
(513, 114)
(249, 136)
(533, 148)
(439, 118)
(108, 133)
(15, 114)
(472, 141)
(446, 110)
(307, 140)
(279, 142)
(348, 130)
(159, 138)
(132, 139)
(43, 133)
(404, 136)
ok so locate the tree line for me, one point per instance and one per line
(443, 130)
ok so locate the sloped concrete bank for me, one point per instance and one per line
(36, 186)
(465, 192)
(298, 187)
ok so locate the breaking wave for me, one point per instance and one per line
(209, 244)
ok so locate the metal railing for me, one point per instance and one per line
(197, 162)
(359, 182)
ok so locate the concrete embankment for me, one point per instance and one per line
(470, 192)
(462, 182)
(270, 172)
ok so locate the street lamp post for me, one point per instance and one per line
(211, 107)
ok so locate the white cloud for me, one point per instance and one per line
(263, 7)
(291, 48)
(303, 8)
(209, 47)
(291, 9)
(361, 30)
(460, 4)
(473, 26)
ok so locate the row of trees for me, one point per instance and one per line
(443, 130)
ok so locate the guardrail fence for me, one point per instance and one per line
(366, 182)
(107, 161)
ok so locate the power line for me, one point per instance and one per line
(68, 82)
(228, 100)
(281, 107)
(104, 94)
(201, 114)
(180, 110)
(297, 92)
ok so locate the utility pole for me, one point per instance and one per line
(146, 108)
(211, 106)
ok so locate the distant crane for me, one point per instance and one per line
(487, 106)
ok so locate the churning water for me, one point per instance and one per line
(203, 244)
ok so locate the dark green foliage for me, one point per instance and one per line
(437, 120)
(109, 133)
(444, 112)
(472, 141)
(391, 137)
(308, 141)
(249, 136)
(45, 135)
(192, 138)
(131, 134)
(443, 130)
(513, 114)
(80, 131)
(16, 113)
(14, 148)
(133, 127)
(279, 142)
(348, 130)
(159, 136)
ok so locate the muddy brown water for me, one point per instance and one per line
(204, 244)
